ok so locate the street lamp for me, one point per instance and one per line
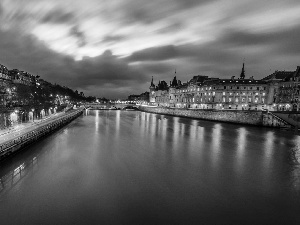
(32, 115)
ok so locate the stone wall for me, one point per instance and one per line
(233, 116)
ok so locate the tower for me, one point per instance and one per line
(152, 91)
(242, 76)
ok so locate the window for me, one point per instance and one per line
(223, 93)
(224, 87)
(257, 88)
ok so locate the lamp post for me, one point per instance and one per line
(32, 115)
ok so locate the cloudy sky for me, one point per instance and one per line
(112, 48)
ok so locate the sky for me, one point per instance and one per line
(112, 48)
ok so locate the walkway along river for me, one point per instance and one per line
(131, 167)
(17, 139)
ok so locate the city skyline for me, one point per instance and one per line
(112, 49)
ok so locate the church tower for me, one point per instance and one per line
(152, 91)
(242, 76)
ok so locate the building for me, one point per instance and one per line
(141, 98)
(21, 77)
(5, 85)
(278, 91)
(288, 93)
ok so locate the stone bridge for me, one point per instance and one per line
(109, 105)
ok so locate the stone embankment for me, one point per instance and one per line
(244, 117)
(257, 118)
(17, 141)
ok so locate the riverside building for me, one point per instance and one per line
(278, 91)
(9, 79)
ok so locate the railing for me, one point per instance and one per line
(280, 119)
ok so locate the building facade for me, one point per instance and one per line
(278, 91)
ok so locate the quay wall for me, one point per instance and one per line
(20, 141)
(233, 116)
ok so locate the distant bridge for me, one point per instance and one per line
(110, 105)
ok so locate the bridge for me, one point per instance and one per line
(113, 106)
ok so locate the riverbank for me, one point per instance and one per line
(255, 118)
(19, 138)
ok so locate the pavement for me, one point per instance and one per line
(18, 129)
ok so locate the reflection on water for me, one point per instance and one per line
(117, 167)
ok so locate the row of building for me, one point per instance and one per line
(19, 88)
(9, 79)
(279, 91)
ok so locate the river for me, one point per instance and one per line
(131, 167)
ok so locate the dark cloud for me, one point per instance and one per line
(284, 41)
(1, 9)
(106, 70)
(113, 38)
(191, 3)
(147, 12)
(75, 32)
(155, 54)
(172, 27)
(58, 16)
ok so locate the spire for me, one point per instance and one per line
(174, 82)
(152, 84)
(242, 76)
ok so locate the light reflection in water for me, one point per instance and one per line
(215, 144)
(241, 142)
(176, 129)
(97, 122)
(269, 147)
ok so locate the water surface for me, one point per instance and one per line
(124, 167)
